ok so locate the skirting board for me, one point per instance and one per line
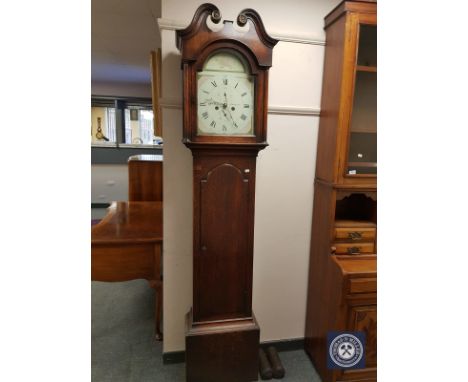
(280, 345)
(100, 205)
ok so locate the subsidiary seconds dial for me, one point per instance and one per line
(225, 104)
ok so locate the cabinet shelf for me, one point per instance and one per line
(365, 68)
(362, 164)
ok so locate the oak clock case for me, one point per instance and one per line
(225, 86)
(343, 250)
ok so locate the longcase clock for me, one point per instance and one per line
(225, 88)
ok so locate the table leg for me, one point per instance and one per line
(159, 303)
(157, 286)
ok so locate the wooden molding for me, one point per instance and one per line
(173, 25)
(171, 103)
(294, 110)
(298, 39)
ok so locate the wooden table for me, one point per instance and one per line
(127, 245)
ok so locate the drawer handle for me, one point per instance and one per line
(354, 250)
(355, 235)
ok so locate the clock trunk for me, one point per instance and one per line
(224, 193)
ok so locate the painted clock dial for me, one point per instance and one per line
(225, 96)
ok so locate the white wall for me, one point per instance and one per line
(285, 169)
(109, 182)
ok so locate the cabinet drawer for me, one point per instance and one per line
(353, 248)
(355, 233)
(364, 285)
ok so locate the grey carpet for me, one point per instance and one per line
(122, 348)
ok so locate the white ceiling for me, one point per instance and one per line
(123, 32)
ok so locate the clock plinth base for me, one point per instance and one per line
(222, 351)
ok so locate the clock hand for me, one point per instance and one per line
(218, 108)
(230, 115)
(224, 105)
(225, 115)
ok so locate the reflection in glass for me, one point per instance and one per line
(139, 126)
(367, 51)
(103, 128)
(362, 149)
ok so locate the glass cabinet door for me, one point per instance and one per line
(362, 146)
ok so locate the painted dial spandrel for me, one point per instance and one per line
(225, 97)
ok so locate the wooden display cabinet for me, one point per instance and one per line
(342, 289)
